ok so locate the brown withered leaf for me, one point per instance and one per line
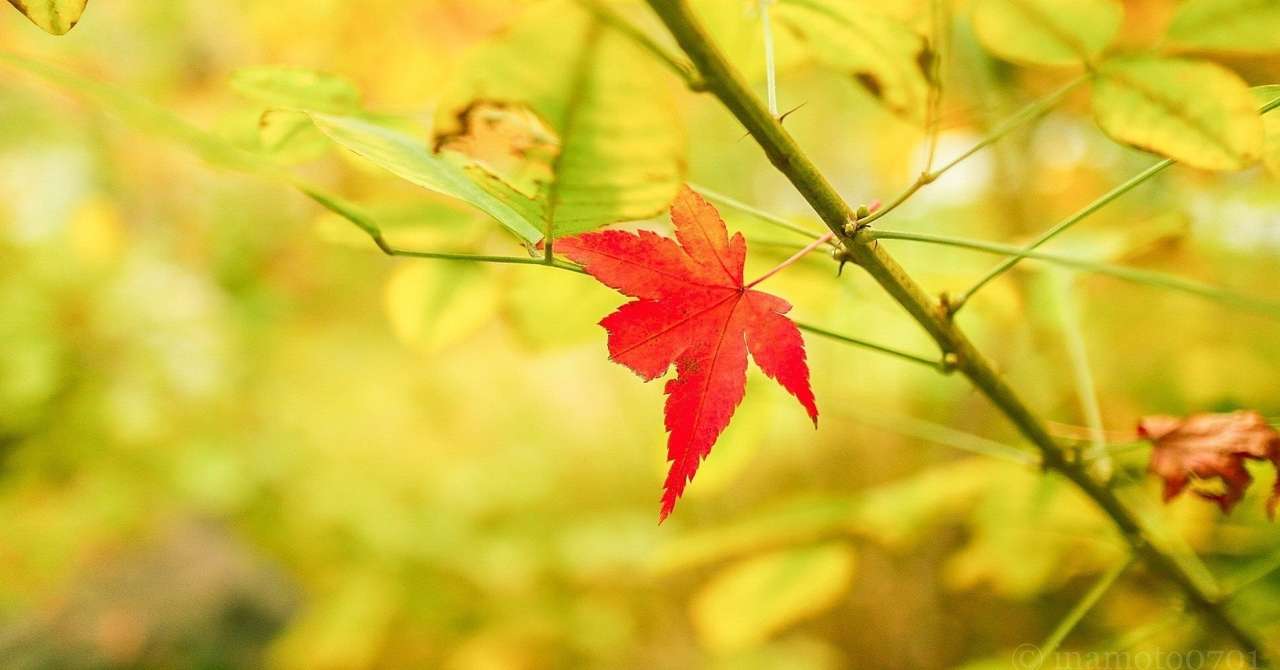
(1211, 446)
(509, 140)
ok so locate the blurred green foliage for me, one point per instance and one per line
(234, 434)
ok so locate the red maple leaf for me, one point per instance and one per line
(692, 309)
(1207, 446)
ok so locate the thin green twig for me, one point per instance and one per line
(729, 201)
(615, 21)
(933, 106)
(1144, 277)
(929, 431)
(1069, 622)
(1252, 574)
(1032, 111)
(770, 65)
(934, 363)
(1058, 228)
(1086, 389)
(1079, 216)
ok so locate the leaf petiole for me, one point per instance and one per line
(823, 239)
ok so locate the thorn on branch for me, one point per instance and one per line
(783, 117)
(842, 256)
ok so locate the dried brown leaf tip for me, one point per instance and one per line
(1203, 447)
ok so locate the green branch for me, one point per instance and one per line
(732, 91)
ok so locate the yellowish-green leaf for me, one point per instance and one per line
(1266, 95)
(621, 154)
(1195, 112)
(432, 306)
(288, 135)
(55, 17)
(750, 601)
(883, 55)
(1227, 26)
(409, 158)
(1047, 32)
(146, 116)
(297, 88)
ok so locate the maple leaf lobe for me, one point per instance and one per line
(691, 309)
(1211, 446)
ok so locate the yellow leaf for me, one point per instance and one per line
(1192, 111)
(56, 17)
(748, 602)
(433, 306)
(1227, 26)
(1047, 32)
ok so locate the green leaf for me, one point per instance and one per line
(880, 53)
(407, 157)
(157, 121)
(1266, 95)
(1195, 112)
(748, 602)
(1227, 26)
(297, 88)
(55, 17)
(147, 116)
(286, 134)
(1047, 32)
(621, 154)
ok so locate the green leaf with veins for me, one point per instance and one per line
(621, 148)
(409, 158)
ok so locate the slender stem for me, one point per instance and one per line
(1117, 449)
(741, 206)
(826, 237)
(782, 151)
(1030, 112)
(608, 16)
(480, 258)
(1145, 277)
(1160, 280)
(1069, 622)
(849, 339)
(1252, 574)
(933, 106)
(1061, 226)
(1086, 389)
(1077, 217)
(929, 431)
(770, 73)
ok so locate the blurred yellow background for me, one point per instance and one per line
(233, 434)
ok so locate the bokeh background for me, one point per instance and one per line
(233, 434)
